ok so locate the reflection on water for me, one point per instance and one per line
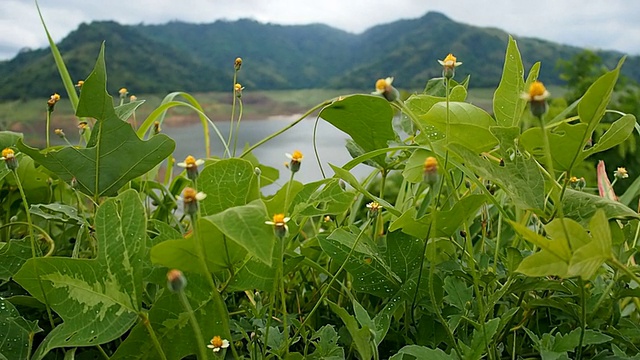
(330, 143)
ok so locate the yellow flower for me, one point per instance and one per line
(374, 207)
(296, 160)
(133, 98)
(537, 92)
(279, 224)
(430, 171)
(190, 200)
(8, 153)
(450, 61)
(80, 83)
(218, 343)
(9, 158)
(383, 85)
(123, 91)
(238, 63)
(59, 132)
(190, 162)
(53, 100)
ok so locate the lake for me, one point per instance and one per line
(330, 143)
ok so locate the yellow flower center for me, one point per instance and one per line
(430, 164)
(238, 62)
(381, 84)
(174, 275)
(216, 341)
(238, 87)
(8, 153)
(536, 89)
(190, 161)
(296, 156)
(278, 219)
(80, 83)
(123, 91)
(374, 206)
(133, 98)
(55, 97)
(573, 179)
(189, 195)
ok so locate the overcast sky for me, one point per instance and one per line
(594, 24)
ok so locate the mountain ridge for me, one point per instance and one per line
(181, 56)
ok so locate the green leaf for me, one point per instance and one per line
(482, 337)
(114, 155)
(414, 167)
(594, 103)
(57, 212)
(571, 340)
(617, 133)
(447, 222)
(469, 125)
(246, 226)
(543, 263)
(520, 178)
(581, 207)
(403, 253)
(421, 352)
(98, 299)
(587, 259)
(458, 293)
(367, 119)
(351, 180)
(227, 183)
(508, 104)
(17, 333)
(170, 322)
(327, 347)
(331, 199)
(361, 337)
(370, 273)
(13, 255)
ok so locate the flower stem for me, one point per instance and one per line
(194, 324)
(233, 107)
(48, 128)
(33, 246)
(235, 135)
(147, 324)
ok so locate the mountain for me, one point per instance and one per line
(199, 57)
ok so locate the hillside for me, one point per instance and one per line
(199, 57)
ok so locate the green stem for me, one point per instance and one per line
(152, 334)
(283, 298)
(48, 127)
(583, 318)
(33, 246)
(309, 112)
(235, 135)
(333, 278)
(620, 266)
(233, 107)
(194, 324)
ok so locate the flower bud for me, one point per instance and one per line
(237, 64)
(430, 173)
(384, 88)
(296, 160)
(176, 281)
(9, 158)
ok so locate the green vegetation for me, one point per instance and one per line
(157, 59)
(472, 237)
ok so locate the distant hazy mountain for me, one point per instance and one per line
(199, 57)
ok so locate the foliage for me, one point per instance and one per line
(469, 239)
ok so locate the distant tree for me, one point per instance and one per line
(580, 72)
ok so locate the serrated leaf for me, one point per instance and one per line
(114, 155)
(327, 347)
(481, 337)
(367, 119)
(581, 207)
(98, 299)
(361, 336)
(370, 273)
(13, 255)
(17, 333)
(458, 293)
(520, 178)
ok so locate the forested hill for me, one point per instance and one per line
(199, 57)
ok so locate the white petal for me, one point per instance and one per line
(182, 164)
(286, 219)
(289, 155)
(199, 162)
(211, 346)
(225, 344)
(269, 223)
(389, 81)
(200, 196)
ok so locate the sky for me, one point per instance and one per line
(593, 24)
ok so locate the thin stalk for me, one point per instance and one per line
(620, 266)
(102, 352)
(315, 147)
(194, 324)
(48, 127)
(235, 135)
(147, 324)
(333, 278)
(283, 298)
(287, 194)
(33, 245)
(583, 318)
(233, 107)
(47, 238)
(309, 112)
